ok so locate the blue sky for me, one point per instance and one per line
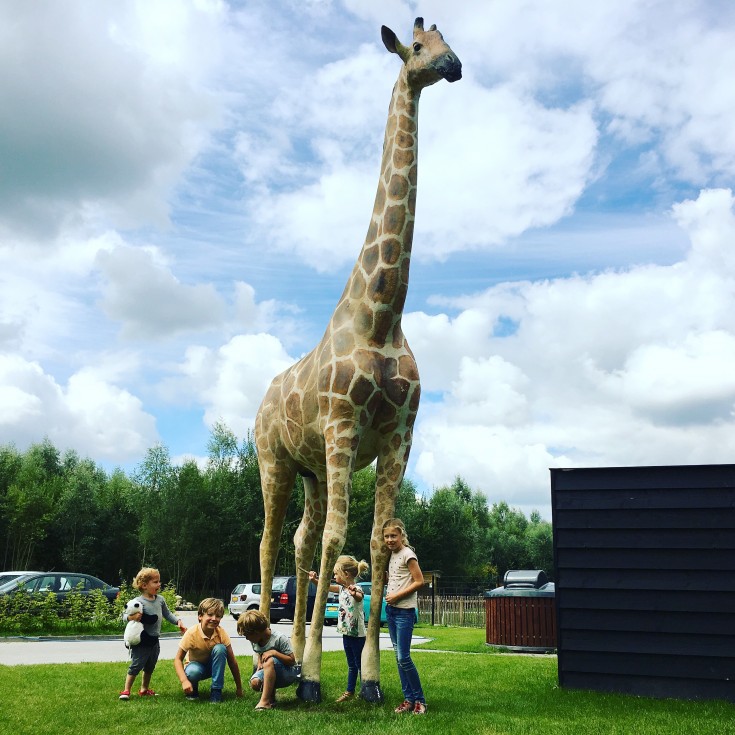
(186, 185)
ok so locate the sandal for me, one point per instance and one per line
(344, 697)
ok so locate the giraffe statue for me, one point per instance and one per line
(354, 398)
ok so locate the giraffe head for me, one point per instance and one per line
(428, 59)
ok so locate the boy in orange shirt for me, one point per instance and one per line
(203, 651)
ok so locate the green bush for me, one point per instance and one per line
(25, 613)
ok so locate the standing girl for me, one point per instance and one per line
(144, 656)
(351, 619)
(405, 578)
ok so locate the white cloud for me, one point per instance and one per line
(230, 381)
(650, 67)
(690, 381)
(107, 104)
(494, 162)
(244, 143)
(619, 368)
(149, 300)
(90, 414)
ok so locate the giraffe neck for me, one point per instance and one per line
(375, 293)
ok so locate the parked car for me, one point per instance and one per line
(6, 577)
(283, 599)
(245, 596)
(60, 583)
(331, 614)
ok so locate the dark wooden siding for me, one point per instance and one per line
(645, 579)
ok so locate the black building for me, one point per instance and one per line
(645, 579)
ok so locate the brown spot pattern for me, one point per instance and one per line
(394, 220)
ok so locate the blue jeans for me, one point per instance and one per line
(353, 650)
(285, 675)
(214, 669)
(400, 626)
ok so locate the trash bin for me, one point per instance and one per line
(521, 614)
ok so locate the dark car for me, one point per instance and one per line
(60, 583)
(9, 576)
(283, 600)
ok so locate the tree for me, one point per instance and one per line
(31, 502)
(153, 480)
(10, 464)
(78, 512)
(508, 547)
(118, 521)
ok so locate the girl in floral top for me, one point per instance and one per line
(351, 619)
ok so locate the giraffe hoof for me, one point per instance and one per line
(309, 691)
(370, 691)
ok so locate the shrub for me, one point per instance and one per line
(24, 613)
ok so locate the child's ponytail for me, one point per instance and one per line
(350, 566)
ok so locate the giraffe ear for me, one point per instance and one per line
(389, 39)
(392, 43)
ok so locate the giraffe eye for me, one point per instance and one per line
(416, 47)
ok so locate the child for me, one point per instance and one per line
(405, 578)
(145, 655)
(351, 620)
(203, 651)
(276, 662)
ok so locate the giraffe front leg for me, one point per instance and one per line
(339, 470)
(389, 475)
(370, 689)
(305, 540)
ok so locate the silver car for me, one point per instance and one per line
(245, 596)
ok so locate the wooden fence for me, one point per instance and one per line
(456, 610)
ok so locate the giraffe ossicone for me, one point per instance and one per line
(354, 398)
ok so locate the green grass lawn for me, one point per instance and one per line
(472, 690)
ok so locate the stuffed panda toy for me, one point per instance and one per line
(133, 629)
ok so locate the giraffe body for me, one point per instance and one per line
(354, 398)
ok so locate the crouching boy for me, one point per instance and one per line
(203, 652)
(276, 662)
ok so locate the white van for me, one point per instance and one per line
(245, 596)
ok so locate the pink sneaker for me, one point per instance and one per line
(403, 707)
(147, 693)
(125, 694)
(419, 708)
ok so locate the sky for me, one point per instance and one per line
(186, 184)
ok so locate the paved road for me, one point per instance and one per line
(47, 651)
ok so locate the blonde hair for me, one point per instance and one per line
(350, 567)
(251, 621)
(144, 576)
(211, 606)
(397, 525)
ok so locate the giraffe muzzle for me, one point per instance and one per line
(449, 67)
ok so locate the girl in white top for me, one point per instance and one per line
(405, 578)
(351, 620)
